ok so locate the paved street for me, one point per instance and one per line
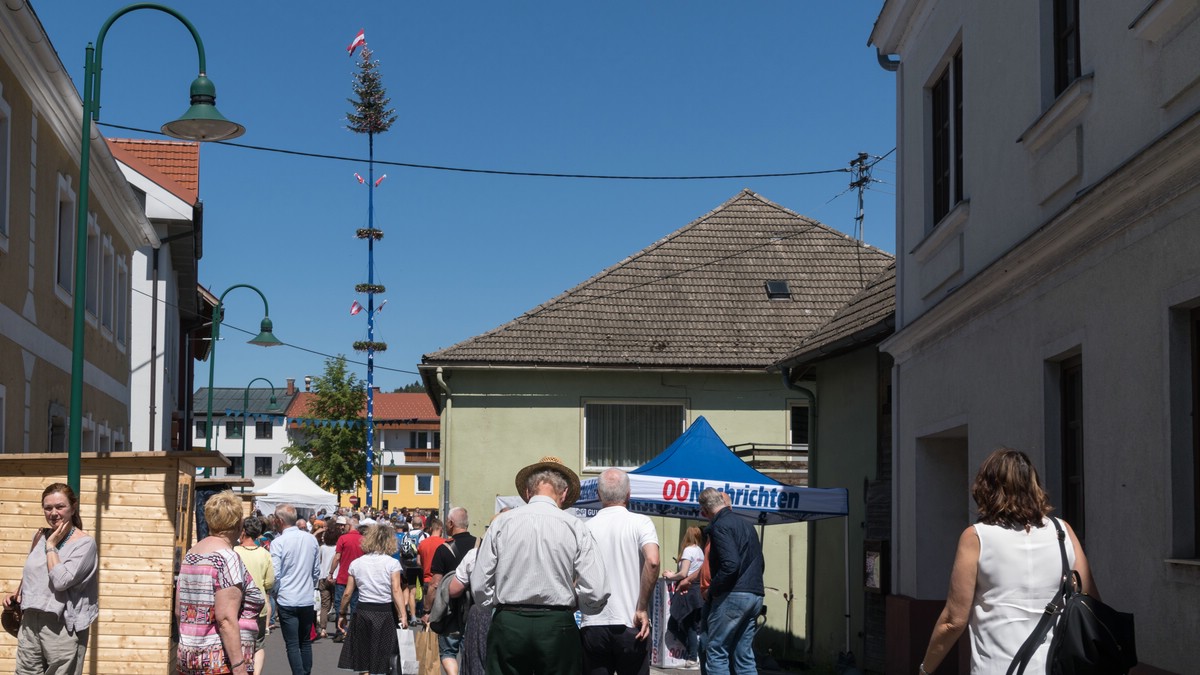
(325, 656)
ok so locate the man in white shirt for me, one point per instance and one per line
(616, 639)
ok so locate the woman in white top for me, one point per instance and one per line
(1007, 568)
(328, 539)
(371, 642)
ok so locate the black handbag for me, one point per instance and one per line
(1090, 637)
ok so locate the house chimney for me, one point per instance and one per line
(291, 388)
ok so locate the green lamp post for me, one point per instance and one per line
(245, 413)
(265, 338)
(201, 122)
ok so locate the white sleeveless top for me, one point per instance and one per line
(1018, 575)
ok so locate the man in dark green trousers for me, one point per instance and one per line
(535, 566)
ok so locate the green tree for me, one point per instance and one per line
(414, 388)
(332, 454)
(371, 114)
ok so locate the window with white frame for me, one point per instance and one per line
(391, 482)
(107, 292)
(234, 428)
(64, 269)
(946, 139)
(628, 434)
(424, 484)
(201, 428)
(92, 294)
(121, 313)
(5, 173)
(263, 429)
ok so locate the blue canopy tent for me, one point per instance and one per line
(670, 485)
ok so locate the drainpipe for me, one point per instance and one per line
(443, 456)
(810, 583)
(153, 347)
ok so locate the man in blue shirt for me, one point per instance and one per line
(735, 593)
(295, 555)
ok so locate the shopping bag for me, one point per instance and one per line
(427, 653)
(407, 660)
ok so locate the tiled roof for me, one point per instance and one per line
(175, 165)
(695, 298)
(234, 398)
(395, 407)
(868, 317)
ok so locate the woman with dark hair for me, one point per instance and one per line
(1007, 568)
(328, 540)
(58, 590)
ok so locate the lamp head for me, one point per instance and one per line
(265, 337)
(273, 405)
(202, 121)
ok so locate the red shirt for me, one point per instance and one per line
(425, 552)
(349, 549)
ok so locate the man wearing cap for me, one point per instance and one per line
(535, 566)
(347, 550)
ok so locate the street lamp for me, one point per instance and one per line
(201, 122)
(245, 408)
(265, 338)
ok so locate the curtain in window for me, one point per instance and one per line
(629, 435)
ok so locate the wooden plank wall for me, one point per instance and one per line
(132, 508)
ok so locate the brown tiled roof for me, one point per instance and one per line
(870, 316)
(389, 407)
(693, 299)
(175, 165)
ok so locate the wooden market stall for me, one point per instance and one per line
(139, 507)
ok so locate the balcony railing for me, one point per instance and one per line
(422, 456)
(786, 463)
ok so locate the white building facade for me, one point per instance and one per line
(1048, 292)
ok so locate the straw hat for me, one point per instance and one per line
(553, 464)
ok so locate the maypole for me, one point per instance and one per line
(370, 116)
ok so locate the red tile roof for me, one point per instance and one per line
(388, 407)
(175, 165)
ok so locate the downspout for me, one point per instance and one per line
(153, 347)
(443, 456)
(810, 583)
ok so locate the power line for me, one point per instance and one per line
(494, 172)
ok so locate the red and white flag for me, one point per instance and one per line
(360, 178)
(355, 308)
(380, 307)
(380, 180)
(358, 41)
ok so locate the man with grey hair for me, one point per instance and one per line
(615, 640)
(735, 592)
(445, 561)
(295, 557)
(535, 566)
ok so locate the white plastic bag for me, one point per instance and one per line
(407, 661)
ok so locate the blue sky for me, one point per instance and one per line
(669, 87)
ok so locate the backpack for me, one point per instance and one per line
(408, 548)
(449, 615)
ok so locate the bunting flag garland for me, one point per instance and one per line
(358, 41)
(258, 416)
(360, 178)
(380, 307)
(340, 424)
(355, 308)
(380, 180)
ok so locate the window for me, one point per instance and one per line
(92, 296)
(262, 466)
(64, 270)
(422, 440)
(629, 434)
(437, 439)
(1071, 430)
(201, 428)
(1066, 46)
(235, 467)
(56, 440)
(263, 429)
(233, 429)
(424, 483)
(391, 482)
(121, 313)
(5, 160)
(777, 289)
(946, 138)
(107, 293)
(798, 427)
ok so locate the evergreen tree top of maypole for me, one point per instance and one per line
(370, 114)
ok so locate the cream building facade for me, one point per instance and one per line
(1047, 291)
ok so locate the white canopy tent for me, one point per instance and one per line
(296, 489)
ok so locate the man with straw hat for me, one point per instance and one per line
(535, 566)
